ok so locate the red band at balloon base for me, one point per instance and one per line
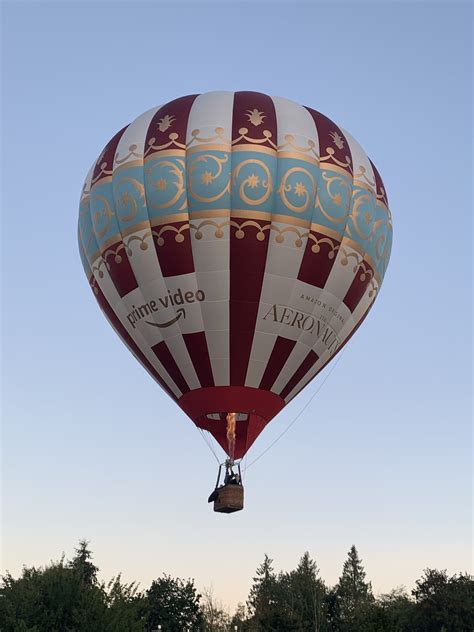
(260, 406)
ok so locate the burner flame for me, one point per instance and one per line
(231, 419)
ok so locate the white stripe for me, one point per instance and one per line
(132, 142)
(210, 236)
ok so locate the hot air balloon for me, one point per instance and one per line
(235, 242)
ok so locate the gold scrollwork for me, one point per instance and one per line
(103, 172)
(94, 286)
(176, 169)
(129, 200)
(106, 213)
(115, 253)
(373, 288)
(173, 142)
(253, 181)
(218, 233)
(267, 138)
(365, 272)
(132, 151)
(379, 246)
(362, 175)
(178, 233)
(290, 144)
(330, 157)
(316, 247)
(357, 211)
(348, 255)
(336, 197)
(208, 177)
(219, 136)
(100, 263)
(299, 189)
(141, 240)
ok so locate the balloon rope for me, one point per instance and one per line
(299, 414)
(208, 444)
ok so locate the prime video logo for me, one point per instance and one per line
(172, 299)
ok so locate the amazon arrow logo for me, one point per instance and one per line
(179, 312)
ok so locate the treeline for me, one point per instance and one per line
(67, 596)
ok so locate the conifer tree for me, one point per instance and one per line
(308, 594)
(262, 593)
(83, 565)
(353, 594)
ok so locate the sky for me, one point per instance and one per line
(92, 448)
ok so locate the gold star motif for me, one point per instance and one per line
(166, 122)
(207, 177)
(255, 117)
(160, 184)
(300, 189)
(337, 139)
(125, 198)
(253, 181)
(368, 217)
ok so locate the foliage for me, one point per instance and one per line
(352, 597)
(173, 604)
(215, 618)
(55, 598)
(444, 601)
(67, 596)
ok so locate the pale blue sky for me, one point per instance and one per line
(92, 448)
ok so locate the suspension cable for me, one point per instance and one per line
(298, 415)
(209, 445)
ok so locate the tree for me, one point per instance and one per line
(82, 564)
(308, 595)
(443, 601)
(262, 592)
(54, 598)
(352, 596)
(125, 607)
(174, 604)
(269, 600)
(397, 609)
(215, 618)
(240, 619)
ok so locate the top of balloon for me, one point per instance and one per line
(235, 241)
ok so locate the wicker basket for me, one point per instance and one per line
(229, 499)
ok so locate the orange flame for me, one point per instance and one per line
(231, 418)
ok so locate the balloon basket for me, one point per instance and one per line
(230, 498)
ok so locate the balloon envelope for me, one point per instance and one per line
(234, 241)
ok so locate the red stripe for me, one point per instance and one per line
(301, 371)
(280, 353)
(247, 267)
(169, 125)
(379, 185)
(196, 345)
(255, 113)
(358, 286)
(254, 117)
(332, 141)
(164, 356)
(105, 162)
(126, 338)
(173, 248)
(318, 260)
(248, 258)
(119, 269)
